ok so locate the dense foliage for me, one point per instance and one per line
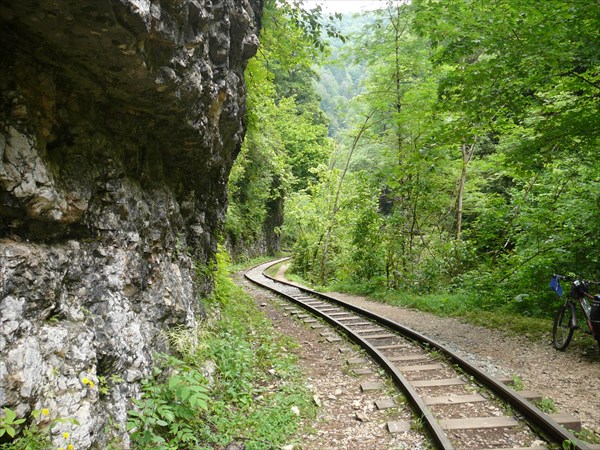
(468, 160)
(287, 131)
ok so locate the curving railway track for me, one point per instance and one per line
(460, 406)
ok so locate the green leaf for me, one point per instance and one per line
(10, 415)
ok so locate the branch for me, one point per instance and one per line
(575, 74)
(540, 252)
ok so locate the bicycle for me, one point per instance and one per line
(565, 321)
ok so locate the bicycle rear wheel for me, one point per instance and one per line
(562, 331)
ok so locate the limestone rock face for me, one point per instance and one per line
(119, 124)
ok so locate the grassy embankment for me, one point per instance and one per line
(466, 307)
(255, 393)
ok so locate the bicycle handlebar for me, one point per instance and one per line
(574, 278)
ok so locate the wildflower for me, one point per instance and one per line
(66, 435)
(61, 448)
(45, 411)
(89, 383)
(70, 447)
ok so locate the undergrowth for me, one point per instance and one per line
(233, 379)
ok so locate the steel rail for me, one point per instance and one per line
(439, 436)
(534, 415)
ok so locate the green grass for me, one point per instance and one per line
(249, 393)
(245, 264)
(462, 306)
(272, 271)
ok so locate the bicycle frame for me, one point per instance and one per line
(565, 320)
(586, 313)
(580, 301)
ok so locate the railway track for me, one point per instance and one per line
(460, 406)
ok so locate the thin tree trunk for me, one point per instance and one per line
(334, 209)
(517, 209)
(413, 221)
(398, 33)
(467, 155)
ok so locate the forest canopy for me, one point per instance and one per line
(437, 147)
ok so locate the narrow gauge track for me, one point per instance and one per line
(393, 346)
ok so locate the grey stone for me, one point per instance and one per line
(23, 362)
(361, 416)
(132, 375)
(385, 403)
(115, 150)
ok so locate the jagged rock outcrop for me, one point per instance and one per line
(119, 124)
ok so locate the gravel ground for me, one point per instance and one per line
(571, 378)
(348, 417)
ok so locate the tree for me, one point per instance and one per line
(478, 171)
(286, 131)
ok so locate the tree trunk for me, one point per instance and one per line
(334, 209)
(467, 155)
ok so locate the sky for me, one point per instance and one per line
(345, 6)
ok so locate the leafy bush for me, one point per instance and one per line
(167, 415)
(32, 433)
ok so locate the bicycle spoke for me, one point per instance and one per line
(562, 331)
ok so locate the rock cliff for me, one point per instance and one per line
(119, 124)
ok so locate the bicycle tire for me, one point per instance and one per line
(562, 330)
